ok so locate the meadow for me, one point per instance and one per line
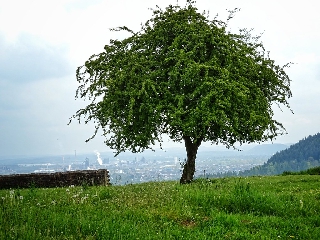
(273, 207)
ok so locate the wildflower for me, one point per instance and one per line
(301, 204)
(67, 190)
(72, 186)
(3, 198)
(83, 199)
(21, 197)
(11, 193)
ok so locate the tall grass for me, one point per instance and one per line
(281, 207)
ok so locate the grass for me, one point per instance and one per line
(278, 207)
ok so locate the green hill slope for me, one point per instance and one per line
(280, 207)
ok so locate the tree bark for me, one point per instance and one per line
(190, 165)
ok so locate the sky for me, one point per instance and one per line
(43, 42)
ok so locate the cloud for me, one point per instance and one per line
(35, 115)
(43, 42)
(30, 58)
(80, 4)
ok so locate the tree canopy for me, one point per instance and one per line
(185, 76)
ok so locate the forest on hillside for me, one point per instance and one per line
(298, 157)
(306, 148)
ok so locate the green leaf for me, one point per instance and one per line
(182, 74)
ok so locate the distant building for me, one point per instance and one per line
(143, 160)
(86, 163)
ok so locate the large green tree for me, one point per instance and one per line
(185, 76)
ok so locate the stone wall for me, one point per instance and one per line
(59, 179)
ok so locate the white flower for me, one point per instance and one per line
(301, 204)
(83, 199)
(21, 197)
(11, 193)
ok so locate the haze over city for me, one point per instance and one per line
(43, 42)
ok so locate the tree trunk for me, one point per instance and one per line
(190, 165)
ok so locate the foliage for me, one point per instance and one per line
(280, 207)
(306, 148)
(310, 171)
(186, 76)
(286, 168)
(298, 157)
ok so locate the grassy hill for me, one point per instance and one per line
(277, 207)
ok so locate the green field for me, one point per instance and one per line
(278, 207)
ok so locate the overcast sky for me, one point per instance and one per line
(43, 42)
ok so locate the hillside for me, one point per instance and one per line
(300, 156)
(297, 157)
(306, 149)
(277, 207)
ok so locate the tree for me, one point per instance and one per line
(185, 76)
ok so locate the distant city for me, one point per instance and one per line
(128, 168)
